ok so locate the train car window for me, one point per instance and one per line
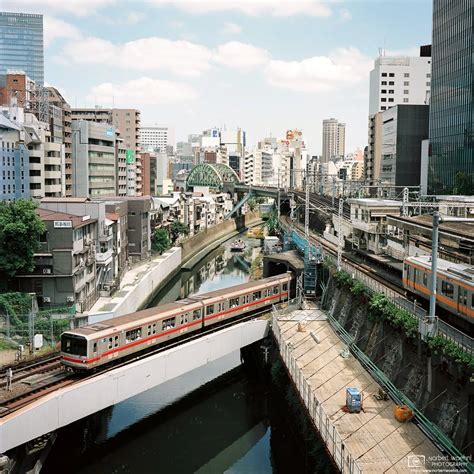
(256, 295)
(94, 347)
(116, 342)
(209, 310)
(110, 343)
(472, 300)
(285, 286)
(447, 289)
(275, 290)
(196, 314)
(149, 330)
(169, 323)
(76, 345)
(425, 279)
(233, 302)
(221, 307)
(247, 298)
(133, 335)
(154, 328)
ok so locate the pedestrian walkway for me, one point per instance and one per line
(322, 368)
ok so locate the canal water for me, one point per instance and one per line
(219, 418)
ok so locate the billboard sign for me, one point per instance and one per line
(130, 157)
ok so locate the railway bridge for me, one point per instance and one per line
(94, 393)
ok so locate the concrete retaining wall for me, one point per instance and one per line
(198, 242)
(136, 294)
(70, 404)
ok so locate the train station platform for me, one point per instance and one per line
(322, 368)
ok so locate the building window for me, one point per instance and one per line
(383, 99)
(391, 83)
(384, 108)
(428, 84)
(406, 91)
(384, 91)
(391, 91)
(428, 75)
(406, 83)
(391, 74)
(384, 83)
(407, 74)
(405, 99)
(384, 74)
(391, 99)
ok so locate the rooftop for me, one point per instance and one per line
(77, 221)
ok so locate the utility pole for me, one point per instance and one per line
(340, 240)
(437, 220)
(279, 197)
(306, 214)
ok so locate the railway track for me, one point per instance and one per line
(66, 378)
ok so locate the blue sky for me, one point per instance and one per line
(262, 65)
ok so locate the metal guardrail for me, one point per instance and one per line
(441, 328)
(323, 423)
(320, 420)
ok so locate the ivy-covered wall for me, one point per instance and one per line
(436, 375)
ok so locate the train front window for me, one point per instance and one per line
(76, 345)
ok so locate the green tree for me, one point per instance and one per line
(160, 241)
(272, 224)
(20, 231)
(177, 229)
(463, 184)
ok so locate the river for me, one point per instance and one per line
(218, 418)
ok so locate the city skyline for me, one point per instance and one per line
(193, 66)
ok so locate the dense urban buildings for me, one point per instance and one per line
(451, 160)
(21, 44)
(394, 80)
(334, 139)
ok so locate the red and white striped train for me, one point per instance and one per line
(88, 347)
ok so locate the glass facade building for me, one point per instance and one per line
(21, 44)
(451, 134)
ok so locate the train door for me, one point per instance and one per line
(94, 348)
(462, 300)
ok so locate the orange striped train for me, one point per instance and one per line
(454, 288)
(88, 347)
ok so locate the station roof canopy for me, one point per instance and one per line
(212, 175)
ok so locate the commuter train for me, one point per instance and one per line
(454, 288)
(91, 346)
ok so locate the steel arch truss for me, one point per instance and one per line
(213, 175)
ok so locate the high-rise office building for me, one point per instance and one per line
(394, 80)
(21, 44)
(155, 138)
(334, 139)
(451, 134)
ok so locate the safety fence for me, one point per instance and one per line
(438, 328)
(332, 439)
(320, 420)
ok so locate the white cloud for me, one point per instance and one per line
(142, 91)
(345, 15)
(412, 51)
(240, 55)
(55, 28)
(282, 8)
(75, 7)
(145, 54)
(342, 67)
(230, 28)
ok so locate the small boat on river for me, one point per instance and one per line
(238, 245)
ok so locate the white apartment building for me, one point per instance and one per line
(399, 80)
(334, 139)
(155, 138)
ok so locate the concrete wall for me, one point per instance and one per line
(77, 401)
(198, 242)
(139, 293)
